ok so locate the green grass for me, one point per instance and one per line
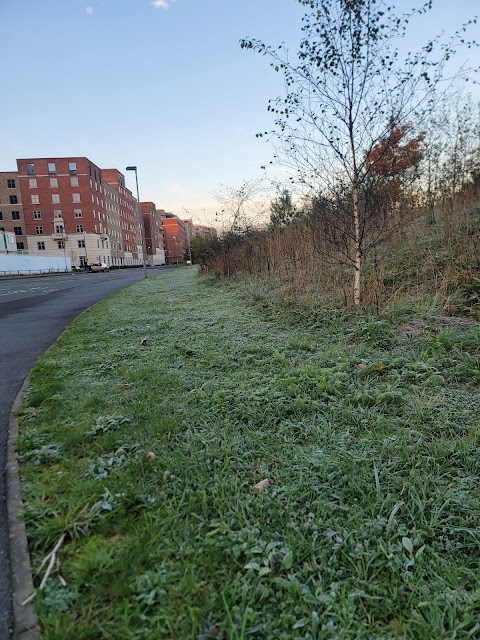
(368, 435)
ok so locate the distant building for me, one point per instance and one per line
(11, 210)
(115, 224)
(201, 231)
(175, 237)
(128, 217)
(153, 233)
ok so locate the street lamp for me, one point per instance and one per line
(64, 240)
(141, 222)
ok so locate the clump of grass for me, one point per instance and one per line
(368, 437)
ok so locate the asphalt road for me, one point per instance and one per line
(33, 313)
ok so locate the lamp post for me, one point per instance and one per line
(64, 240)
(141, 223)
(176, 248)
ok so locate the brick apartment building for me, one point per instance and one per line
(64, 208)
(115, 229)
(153, 234)
(128, 217)
(176, 239)
(71, 205)
(11, 210)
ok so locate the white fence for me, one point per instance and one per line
(11, 264)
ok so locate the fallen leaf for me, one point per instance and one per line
(262, 485)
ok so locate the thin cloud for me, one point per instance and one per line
(89, 11)
(161, 4)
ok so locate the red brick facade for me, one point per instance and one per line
(176, 241)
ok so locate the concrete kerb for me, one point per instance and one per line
(24, 617)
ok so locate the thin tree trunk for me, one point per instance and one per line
(358, 249)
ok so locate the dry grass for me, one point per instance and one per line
(436, 258)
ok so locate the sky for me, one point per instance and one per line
(160, 84)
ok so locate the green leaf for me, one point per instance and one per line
(252, 565)
(300, 623)
(408, 544)
(287, 560)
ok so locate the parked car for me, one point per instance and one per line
(98, 266)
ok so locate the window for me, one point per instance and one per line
(39, 231)
(41, 246)
(52, 168)
(30, 169)
(1, 215)
(11, 184)
(17, 231)
(54, 182)
(15, 215)
(61, 244)
(13, 199)
(72, 167)
(35, 199)
(79, 228)
(74, 181)
(76, 197)
(37, 215)
(57, 213)
(32, 183)
(20, 246)
(59, 228)
(77, 213)
(81, 244)
(55, 198)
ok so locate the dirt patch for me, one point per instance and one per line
(454, 321)
(408, 330)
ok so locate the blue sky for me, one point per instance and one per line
(164, 87)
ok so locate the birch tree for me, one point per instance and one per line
(343, 88)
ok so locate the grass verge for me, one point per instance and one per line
(147, 457)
